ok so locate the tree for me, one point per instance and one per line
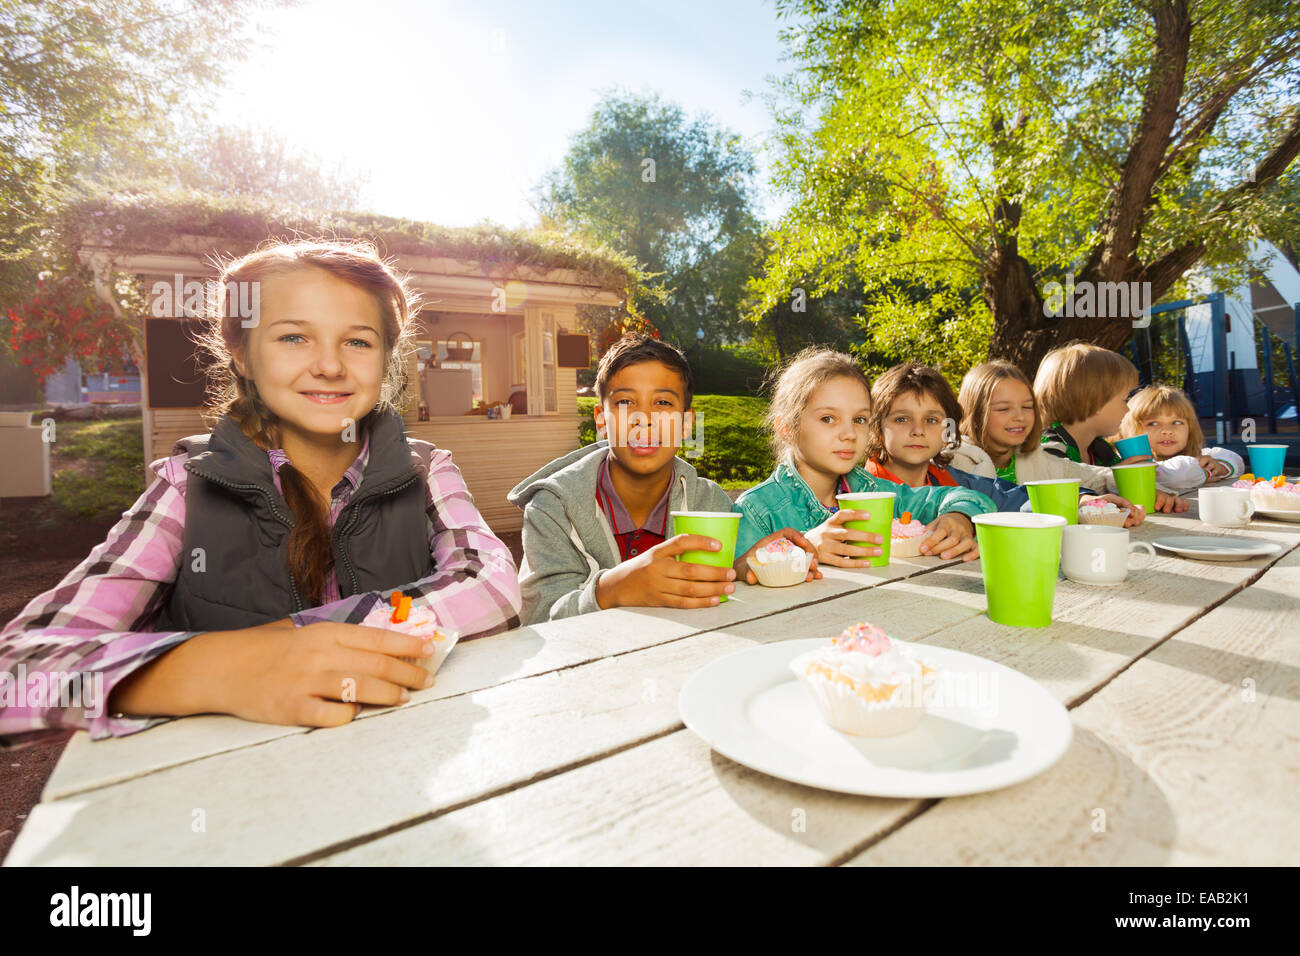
(1003, 145)
(90, 92)
(673, 193)
(260, 164)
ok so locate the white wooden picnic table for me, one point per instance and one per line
(562, 743)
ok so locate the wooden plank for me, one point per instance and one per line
(717, 812)
(474, 665)
(1173, 762)
(263, 803)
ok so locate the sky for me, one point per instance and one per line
(457, 108)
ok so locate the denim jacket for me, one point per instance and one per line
(784, 500)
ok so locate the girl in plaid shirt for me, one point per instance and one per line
(297, 390)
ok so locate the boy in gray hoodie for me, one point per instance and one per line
(596, 520)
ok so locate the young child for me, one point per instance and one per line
(596, 520)
(914, 411)
(819, 416)
(1000, 430)
(1168, 418)
(1082, 390)
(217, 592)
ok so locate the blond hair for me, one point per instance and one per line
(794, 383)
(1155, 400)
(977, 393)
(1075, 381)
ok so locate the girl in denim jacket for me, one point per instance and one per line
(818, 418)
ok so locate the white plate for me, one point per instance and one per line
(1209, 548)
(1278, 515)
(751, 708)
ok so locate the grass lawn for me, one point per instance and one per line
(97, 466)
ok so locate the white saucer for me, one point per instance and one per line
(1209, 548)
(1277, 514)
(1005, 728)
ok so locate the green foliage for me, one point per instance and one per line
(675, 195)
(93, 88)
(980, 148)
(729, 370)
(153, 219)
(944, 330)
(736, 449)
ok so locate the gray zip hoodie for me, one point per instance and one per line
(568, 541)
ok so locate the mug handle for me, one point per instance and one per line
(1247, 509)
(1146, 549)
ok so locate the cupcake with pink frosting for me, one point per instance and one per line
(1276, 494)
(905, 537)
(866, 684)
(779, 564)
(402, 615)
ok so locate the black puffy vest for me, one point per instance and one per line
(242, 524)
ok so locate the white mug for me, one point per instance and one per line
(1225, 507)
(1099, 554)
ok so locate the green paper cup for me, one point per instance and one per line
(722, 525)
(881, 506)
(1137, 483)
(1020, 555)
(1055, 496)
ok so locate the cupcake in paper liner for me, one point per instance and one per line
(1103, 512)
(905, 537)
(399, 614)
(865, 684)
(1275, 494)
(779, 564)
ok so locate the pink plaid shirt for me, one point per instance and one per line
(96, 621)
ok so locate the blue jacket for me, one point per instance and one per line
(785, 500)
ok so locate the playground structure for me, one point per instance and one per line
(1236, 353)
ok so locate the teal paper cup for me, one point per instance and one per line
(1137, 445)
(1266, 461)
(723, 525)
(881, 506)
(1055, 496)
(1137, 483)
(1020, 555)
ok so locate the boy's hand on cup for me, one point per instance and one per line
(1134, 460)
(318, 675)
(655, 578)
(1136, 513)
(831, 540)
(950, 535)
(1171, 504)
(795, 538)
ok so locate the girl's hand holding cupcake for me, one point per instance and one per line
(788, 534)
(951, 535)
(318, 675)
(1136, 513)
(831, 540)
